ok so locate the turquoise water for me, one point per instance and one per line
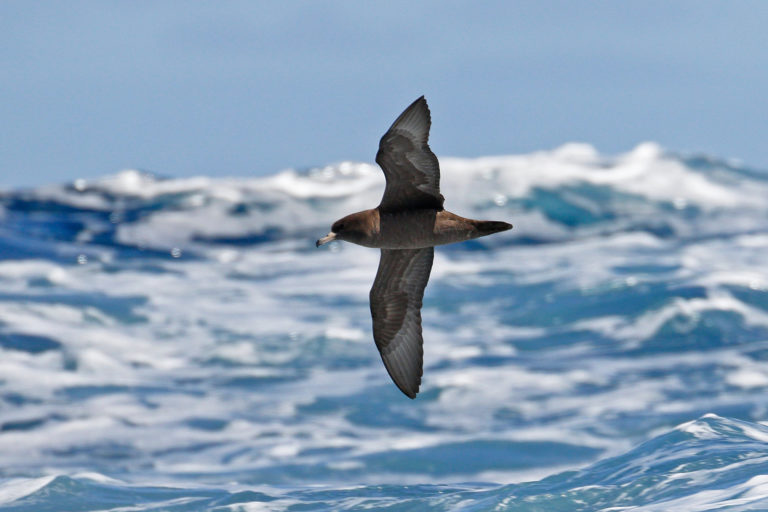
(170, 344)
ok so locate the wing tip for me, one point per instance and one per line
(416, 118)
(408, 385)
(407, 380)
(422, 100)
(410, 393)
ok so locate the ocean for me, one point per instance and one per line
(180, 344)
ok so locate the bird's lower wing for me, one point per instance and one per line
(396, 298)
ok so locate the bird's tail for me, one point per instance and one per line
(489, 227)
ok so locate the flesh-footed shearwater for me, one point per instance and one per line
(407, 224)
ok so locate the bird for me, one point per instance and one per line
(406, 226)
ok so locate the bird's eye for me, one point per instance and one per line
(340, 227)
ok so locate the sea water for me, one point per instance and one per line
(180, 344)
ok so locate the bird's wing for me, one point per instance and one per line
(410, 167)
(396, 298)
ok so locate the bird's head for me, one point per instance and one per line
(352, 228)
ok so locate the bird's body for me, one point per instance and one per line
(415, 229)
(407, 224)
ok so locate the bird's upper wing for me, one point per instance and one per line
(396, 298)
(410, 167)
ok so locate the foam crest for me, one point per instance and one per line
(551, 195)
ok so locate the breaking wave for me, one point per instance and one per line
(180, 344)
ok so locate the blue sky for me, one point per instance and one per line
(229, 88)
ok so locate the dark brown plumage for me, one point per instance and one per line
(407, 224)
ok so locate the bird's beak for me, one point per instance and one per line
(327, 238)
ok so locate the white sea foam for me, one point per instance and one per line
(16, 488)
(733, 497)
(292, 202)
